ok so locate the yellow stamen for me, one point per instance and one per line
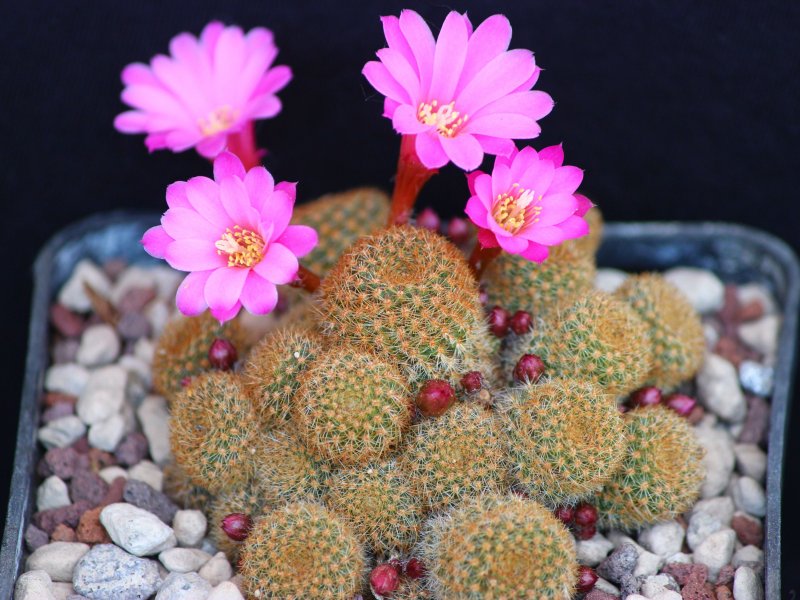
(445, 118)
(244, 247)
(219, 120)
(514, 209)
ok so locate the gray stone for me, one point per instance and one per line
(52, 493)
(107, 572)
(715, 551)
(139, 532)
(190, 528)
(647, 564)
(33, 585)
(184, 586)
(762, 335)
(225, 591)
(751, 461)
(602, 584)
(57, 559)
(63, 432)
(749, 496)
(106, 435)
(704, 290)
(149, 473)
(749, 556)
(183, 560)
(655, 584)
(67, 378)
(718, 460)
(103, 395)
(663, 539)
(217, 570)
(718, 389)
(145, 497)
(592, 551)
(63, 590)
(756, 378)
(154, 417)
(747, 585)
(620, 562)
(73, 294)
(100, 345)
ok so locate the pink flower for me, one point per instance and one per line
(233, 234)
(463, 94)
(206, 90)
(528, 203)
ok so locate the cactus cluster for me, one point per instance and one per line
(287, 471)
(183, 491)
(248, 499)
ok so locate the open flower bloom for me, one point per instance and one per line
(528, 203)
(463, 94)
(233, 234)
(205, 91)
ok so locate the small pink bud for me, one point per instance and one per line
(483, 296)
(237, 526)
(384, 579)
(565, 514)
(681, 404)
(498, 321)
(586, 579)
(529, 369)
(435, 397)
(186, 382)
(458, 230)
(521, 322)
(428, 219)
(646, 396)
(622, 408)
(585, 515)
(415, 569)
(222, 354)
(472, 382)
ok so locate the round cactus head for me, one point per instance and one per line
(499, 547)
(660, 474)
(563, 439)
(248, 499)
(302, 551)
(183, 490)
(287, 471)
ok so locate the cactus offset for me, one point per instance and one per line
(302, 551)
(516, 283)
(455, 456)
(563, 439)
(379, 503)
(248, 499)
(352, 407)
(340, 219)
(494, 547)
(287, 472)
(412, 589)
(214, 432)
(600, 337)
(660, 474)
(676, 333)
(408, 294)
(182, 350)
(271, 375)
(182, 490)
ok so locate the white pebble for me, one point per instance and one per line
(130, 278)
(103, 395)
(184, 586)
(718, 389)
(751, 460)
(158, 313)
(109, 474)
(663, 539)
(62, 590)
(183, 560)
(749, 496)
(666, 595)
(715, 552)
(52, 493)
(106, 435)
(748, 292)
(655, 584)
(33, 585)
(73, 294)
(100, 345)
(217, 570)
(608, 280)
(190, 527)
(591, 552)
(149, 473)
(57, 559)
(138, 531)
(167, 281)
(63, 432)
(225, 591)
(705, 291)
(708, 516)
(154, 417)
(647, 564)
(747, 585)
(756, 378)
(67, 378)
(718, 460)
(749, 556)
(144, 350)
(762, 334)
(680, 557)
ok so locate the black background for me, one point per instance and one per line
(677, 110)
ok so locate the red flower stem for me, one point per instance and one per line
(411, 177)
(481, 257)
(243, 145)
(307, 280)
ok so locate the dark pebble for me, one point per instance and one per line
(53, 398)
(132, 449)
(133, 325)
(115, 492)
(100, 459)
(66, 322)
(82, 445)
(114, 268)
(725, 576)
(145, 497)
(35, 537)
(65, 351)
(62, 409)
(87, 486)
(756, 424)
(619, 563)
(749, 530)
(630, 584)
(135, 299)
(48, 520)
(62, 462)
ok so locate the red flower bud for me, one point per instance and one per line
(428, 219)
(529, 369)
(681, 404)
(586, 579)
(237, 526)
(435, 397)
(458, 230)
(415, 569)
(521, 322)
(222, 354)
(646, 396)
(565, 514)
(586, 532)
(384, 579)
(472, 381)
(585, 515)
(498, 321)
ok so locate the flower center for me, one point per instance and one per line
(514, 209)
(218, 120)
(244, 247)
(445, 118)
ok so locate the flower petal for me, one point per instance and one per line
(227, 164)
(449, 56)
(260, 185)
(533, 104)
(259, 296)
(176, 195)
(490, 39)
(299, 239)
(499, 77)
(487, 239)
(420, 40)
(211, 146)
(556, 208)
(222, 315)
(504, 125)
(276, 211)
(401, 71)
(155, 241)
(554, 154)
(279, 265)
(379, 77)
(397, 41)
(546, 235)
(495, 145)
(535, 252)
(203, 195)
(235, 201)
(584, 204)
(477, 212)
(190, 298)
(224, 287)
(574, 227)
(405, 121)
(193, 255)
(185, 223)
(429, 150)
(464, 150)
(132, 121)
(513, 244)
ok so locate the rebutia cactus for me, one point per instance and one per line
(214, 432)
(271, 375)
(248, 499)
(302, 551)
(494, 547)
(516, 283)
(287, 472)
(408, 293)
(600, 337)
(182, 350)
(676, 333)
(412, 589)
(352, 407)
(563, 438)
(660, 474)
(379, 503)
(455, 456)
(182, 490)
(340, 219)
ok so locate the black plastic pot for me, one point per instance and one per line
(734, 252)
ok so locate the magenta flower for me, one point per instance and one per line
(206, 90)
(233, 234)
(463, 94)
(528, 203)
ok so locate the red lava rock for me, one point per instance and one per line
(756, 424)
(586, 579)
(63, 533)
(132, 449)
(472, 382)
(529, 369)
(596, 594)
(100, 459)
(725, 577)
(62, 409)
(66, 322)
(723, 593)
(135, 299)
(384, 579)
(458, 230)
(90, 530)
(697, 414)
(748, 529)
(415, 569)
(145, 497)
(134, 325)
(62, 462)
(565, 514)
(731, 349)
(646, 396)
(435, 397)
(750, 311)
(35, 537)
(685, 573)
(50, 399)
(116, 491)
(87, 486)
(499, 321)
(48, 520)
(698, 591)
(521, 322)
(82, 445)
